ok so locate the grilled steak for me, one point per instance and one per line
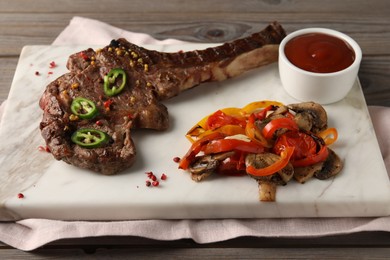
(151, 76)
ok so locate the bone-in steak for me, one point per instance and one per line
(151, 76)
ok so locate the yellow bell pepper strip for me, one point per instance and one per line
(278, 123)
(240, 113)
(253, 132)
(218, 121)
(227, 130)
(329, 135)
(231, 111)
(273, 168)
(252, 107)
(201, 128)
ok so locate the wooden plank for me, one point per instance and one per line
(374, 78)
(204, 6)
(37, 30)
(7, 70)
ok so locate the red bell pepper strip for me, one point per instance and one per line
(312, 159)
(219, 118)
(196, 148)
(262, 114)
(278, 123)
(308, 151)
(303, 143)
(273, 168)
(233, 165)
(225, 145)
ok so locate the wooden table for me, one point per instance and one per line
(26, 22)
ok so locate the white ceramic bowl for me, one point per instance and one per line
(323, 88)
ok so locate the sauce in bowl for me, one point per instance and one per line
(319, 52)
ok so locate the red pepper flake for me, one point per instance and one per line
(44, 149)
(20, 195)
(84, 56)
(148, 183)
(52, 65)
(99, 123)
(163, 177)
(176, 159)
(153, 177)
(107, 104)
(50, 72)
(37, 73)
(155, 183)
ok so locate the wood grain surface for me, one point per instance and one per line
(38, 22)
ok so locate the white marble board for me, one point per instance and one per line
(55, 190)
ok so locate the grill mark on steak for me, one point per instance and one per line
(152, 77)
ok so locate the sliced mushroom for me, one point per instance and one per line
(310, 116)
(332, 166)
(279, 111)
(322, 170)
(267, 191)
(303, 174)
(205, 165)
(304, 121)
(267, 184)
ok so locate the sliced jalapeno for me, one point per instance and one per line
(89, 138)
(83, 108)
(114, 82)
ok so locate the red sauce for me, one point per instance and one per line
(318, 52)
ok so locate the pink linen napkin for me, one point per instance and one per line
(30, 234)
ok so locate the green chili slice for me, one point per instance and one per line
(89, 138)
(83, 108)
(114, 82)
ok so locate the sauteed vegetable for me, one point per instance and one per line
(266, 140)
